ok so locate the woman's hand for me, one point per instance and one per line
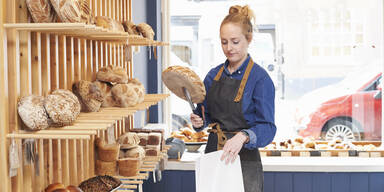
(232, 147)
(196, 120)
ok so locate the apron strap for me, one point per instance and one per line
(244, 81)
(221, 137)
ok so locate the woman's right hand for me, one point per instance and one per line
(196, 120)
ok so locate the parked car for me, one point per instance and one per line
(349, 110)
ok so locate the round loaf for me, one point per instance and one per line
(146, 30)
(54, 186)
(177, 77)
(139, 89)
(130, 28)
(62, 107)
(105, 88)
(137, 152)
(128, 140)
(89, 95)
(112, 74)
(124, 95)
(32, 112)
(41, 11)
(69, 11)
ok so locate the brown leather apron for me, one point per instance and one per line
(224, 102)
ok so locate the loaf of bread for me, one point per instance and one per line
(105, 88)
(143, 138)
(177, 77)
(152, 150)
(86, 13)
(32, 112)
(130, 28)
(112, 74)
(139, 89)
(89, 95)
(69, 11)
(117, 26)
(128, 140)
(99, 183)
(124, 95)
(54, 186)
(62, 107)
(136, 152)
(105, 167)
(129, 166)
(41, 11)
(154, 139)
(146, 30)
(109, 24)
(107, 152)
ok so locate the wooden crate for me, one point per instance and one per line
(39, 58)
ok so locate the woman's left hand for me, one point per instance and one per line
(232, 147)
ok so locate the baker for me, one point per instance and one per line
(239, 104)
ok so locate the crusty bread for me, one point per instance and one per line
(54, 186)
(107, 152)
(112, 74)
(124, 95)
(105, 88)
(86, 13)
(152, 150)
(139, 89)
(62, 107)
(137, 152)
(154, 139)
(31, 110)
(177, 77)
(73, 188)
(41, 11)
(109, 24)
(69, 11)
(128, 140)
(89, 95)
(130, 28)
(146, 30)
(143, 138)
(129, 166)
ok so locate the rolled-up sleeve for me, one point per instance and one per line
(263, 127)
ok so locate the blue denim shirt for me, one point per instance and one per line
(258, 102)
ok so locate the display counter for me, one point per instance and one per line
(288, 174)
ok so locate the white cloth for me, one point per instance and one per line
(213, 175)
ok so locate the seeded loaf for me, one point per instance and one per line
(89, 94)
(32, 112)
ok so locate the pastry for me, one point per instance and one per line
(112, 74)
(124, 95)
(41, 11)
(146, 30)
(89, 95)
(177, 77)
(32, 112)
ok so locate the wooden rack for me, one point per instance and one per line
(36, 58)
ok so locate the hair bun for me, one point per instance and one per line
(235, 9)
(245, 11)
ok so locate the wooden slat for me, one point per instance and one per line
(73, 161)
(65, 161)
(63, 62)
(45, 64)
(70, 62)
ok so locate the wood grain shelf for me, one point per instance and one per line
(84, 30)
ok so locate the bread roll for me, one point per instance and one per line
(89, 95)
(62, 107)
(146, 30)
(73, 188)
(41, 11)
(54, 186)
(112, 74)
(124, 95)
(32, 112)
(106, 168)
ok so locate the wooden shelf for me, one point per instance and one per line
(84, 30)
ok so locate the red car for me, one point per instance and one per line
(349, 110)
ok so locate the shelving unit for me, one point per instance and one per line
(39, 57)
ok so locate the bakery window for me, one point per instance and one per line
(326, 63)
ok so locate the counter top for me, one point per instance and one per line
(295, 164)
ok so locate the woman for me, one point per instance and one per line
(239, 105)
